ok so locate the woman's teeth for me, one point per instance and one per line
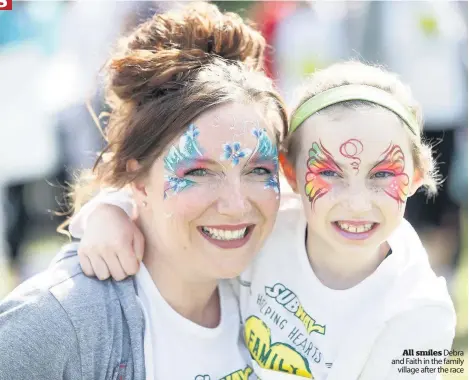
(355, 229)
(217, 234)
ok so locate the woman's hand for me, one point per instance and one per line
(112, 245)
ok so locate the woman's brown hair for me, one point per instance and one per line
(168, 71)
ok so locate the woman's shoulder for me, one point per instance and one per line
(71, 311)
(60, 293)
(36, 332)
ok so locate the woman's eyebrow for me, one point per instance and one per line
(206, 160)
(190, 162)
(257, 159)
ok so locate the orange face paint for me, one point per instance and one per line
(319, 161)
(393, 162)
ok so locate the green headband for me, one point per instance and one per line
(352, 92)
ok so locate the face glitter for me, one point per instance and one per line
(178, 157)
(392, 167)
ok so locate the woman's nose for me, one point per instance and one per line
(233, 200)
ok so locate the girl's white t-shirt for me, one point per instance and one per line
(177, 348)
(293, 323)
(294, 326)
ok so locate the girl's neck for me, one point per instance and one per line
(342, 270)
(195, 299)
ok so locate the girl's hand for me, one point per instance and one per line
(112, 245)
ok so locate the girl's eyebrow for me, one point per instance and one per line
(384, 161)
(331, 157)
(339, 164)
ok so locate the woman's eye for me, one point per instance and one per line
(260, 171)
(329, 173)
(382, 174)
(196, 172)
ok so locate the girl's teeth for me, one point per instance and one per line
(224, 234)
(355, 229)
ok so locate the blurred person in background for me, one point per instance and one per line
(50, 54)
(28, 38)
(427, 50)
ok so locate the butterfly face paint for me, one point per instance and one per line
(179, 159)
(267, 151)
(391, 167)
(352, 149)
(319, 163)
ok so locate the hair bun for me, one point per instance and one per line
(177, 41)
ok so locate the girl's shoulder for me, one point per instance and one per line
(416, 285)
(287, 233)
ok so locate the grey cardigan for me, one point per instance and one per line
(61, 324)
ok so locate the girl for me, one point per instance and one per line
(206, 185)
(342, 289)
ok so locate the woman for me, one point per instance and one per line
(193, 133)
(342, 289)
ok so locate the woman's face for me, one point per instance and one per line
(213, 195)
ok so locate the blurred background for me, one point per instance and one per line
(51, 53)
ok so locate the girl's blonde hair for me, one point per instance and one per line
(353, 72)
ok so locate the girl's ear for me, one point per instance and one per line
(138, 186)
(288, 171)
(417, 181)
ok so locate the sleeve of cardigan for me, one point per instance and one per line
(37, 339)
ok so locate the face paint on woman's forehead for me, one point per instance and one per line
(183, 155)
(393, 161)
(319, 160)
(233, 152)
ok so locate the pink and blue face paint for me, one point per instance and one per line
(267, 151)
(179, 158)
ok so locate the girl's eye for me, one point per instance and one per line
(260, 171)
(329, 173)
(196, 172)
(382, 174)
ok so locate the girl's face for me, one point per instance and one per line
(213, 195)
(354, 172)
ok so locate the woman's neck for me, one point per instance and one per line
(195, 299)
(342, 270)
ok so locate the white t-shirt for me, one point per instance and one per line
(335, 334)
(177, 348)
(293, 323)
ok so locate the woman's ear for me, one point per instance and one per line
(417, 181)
(288, 171)
(138, 186)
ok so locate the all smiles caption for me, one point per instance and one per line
(430, 361)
